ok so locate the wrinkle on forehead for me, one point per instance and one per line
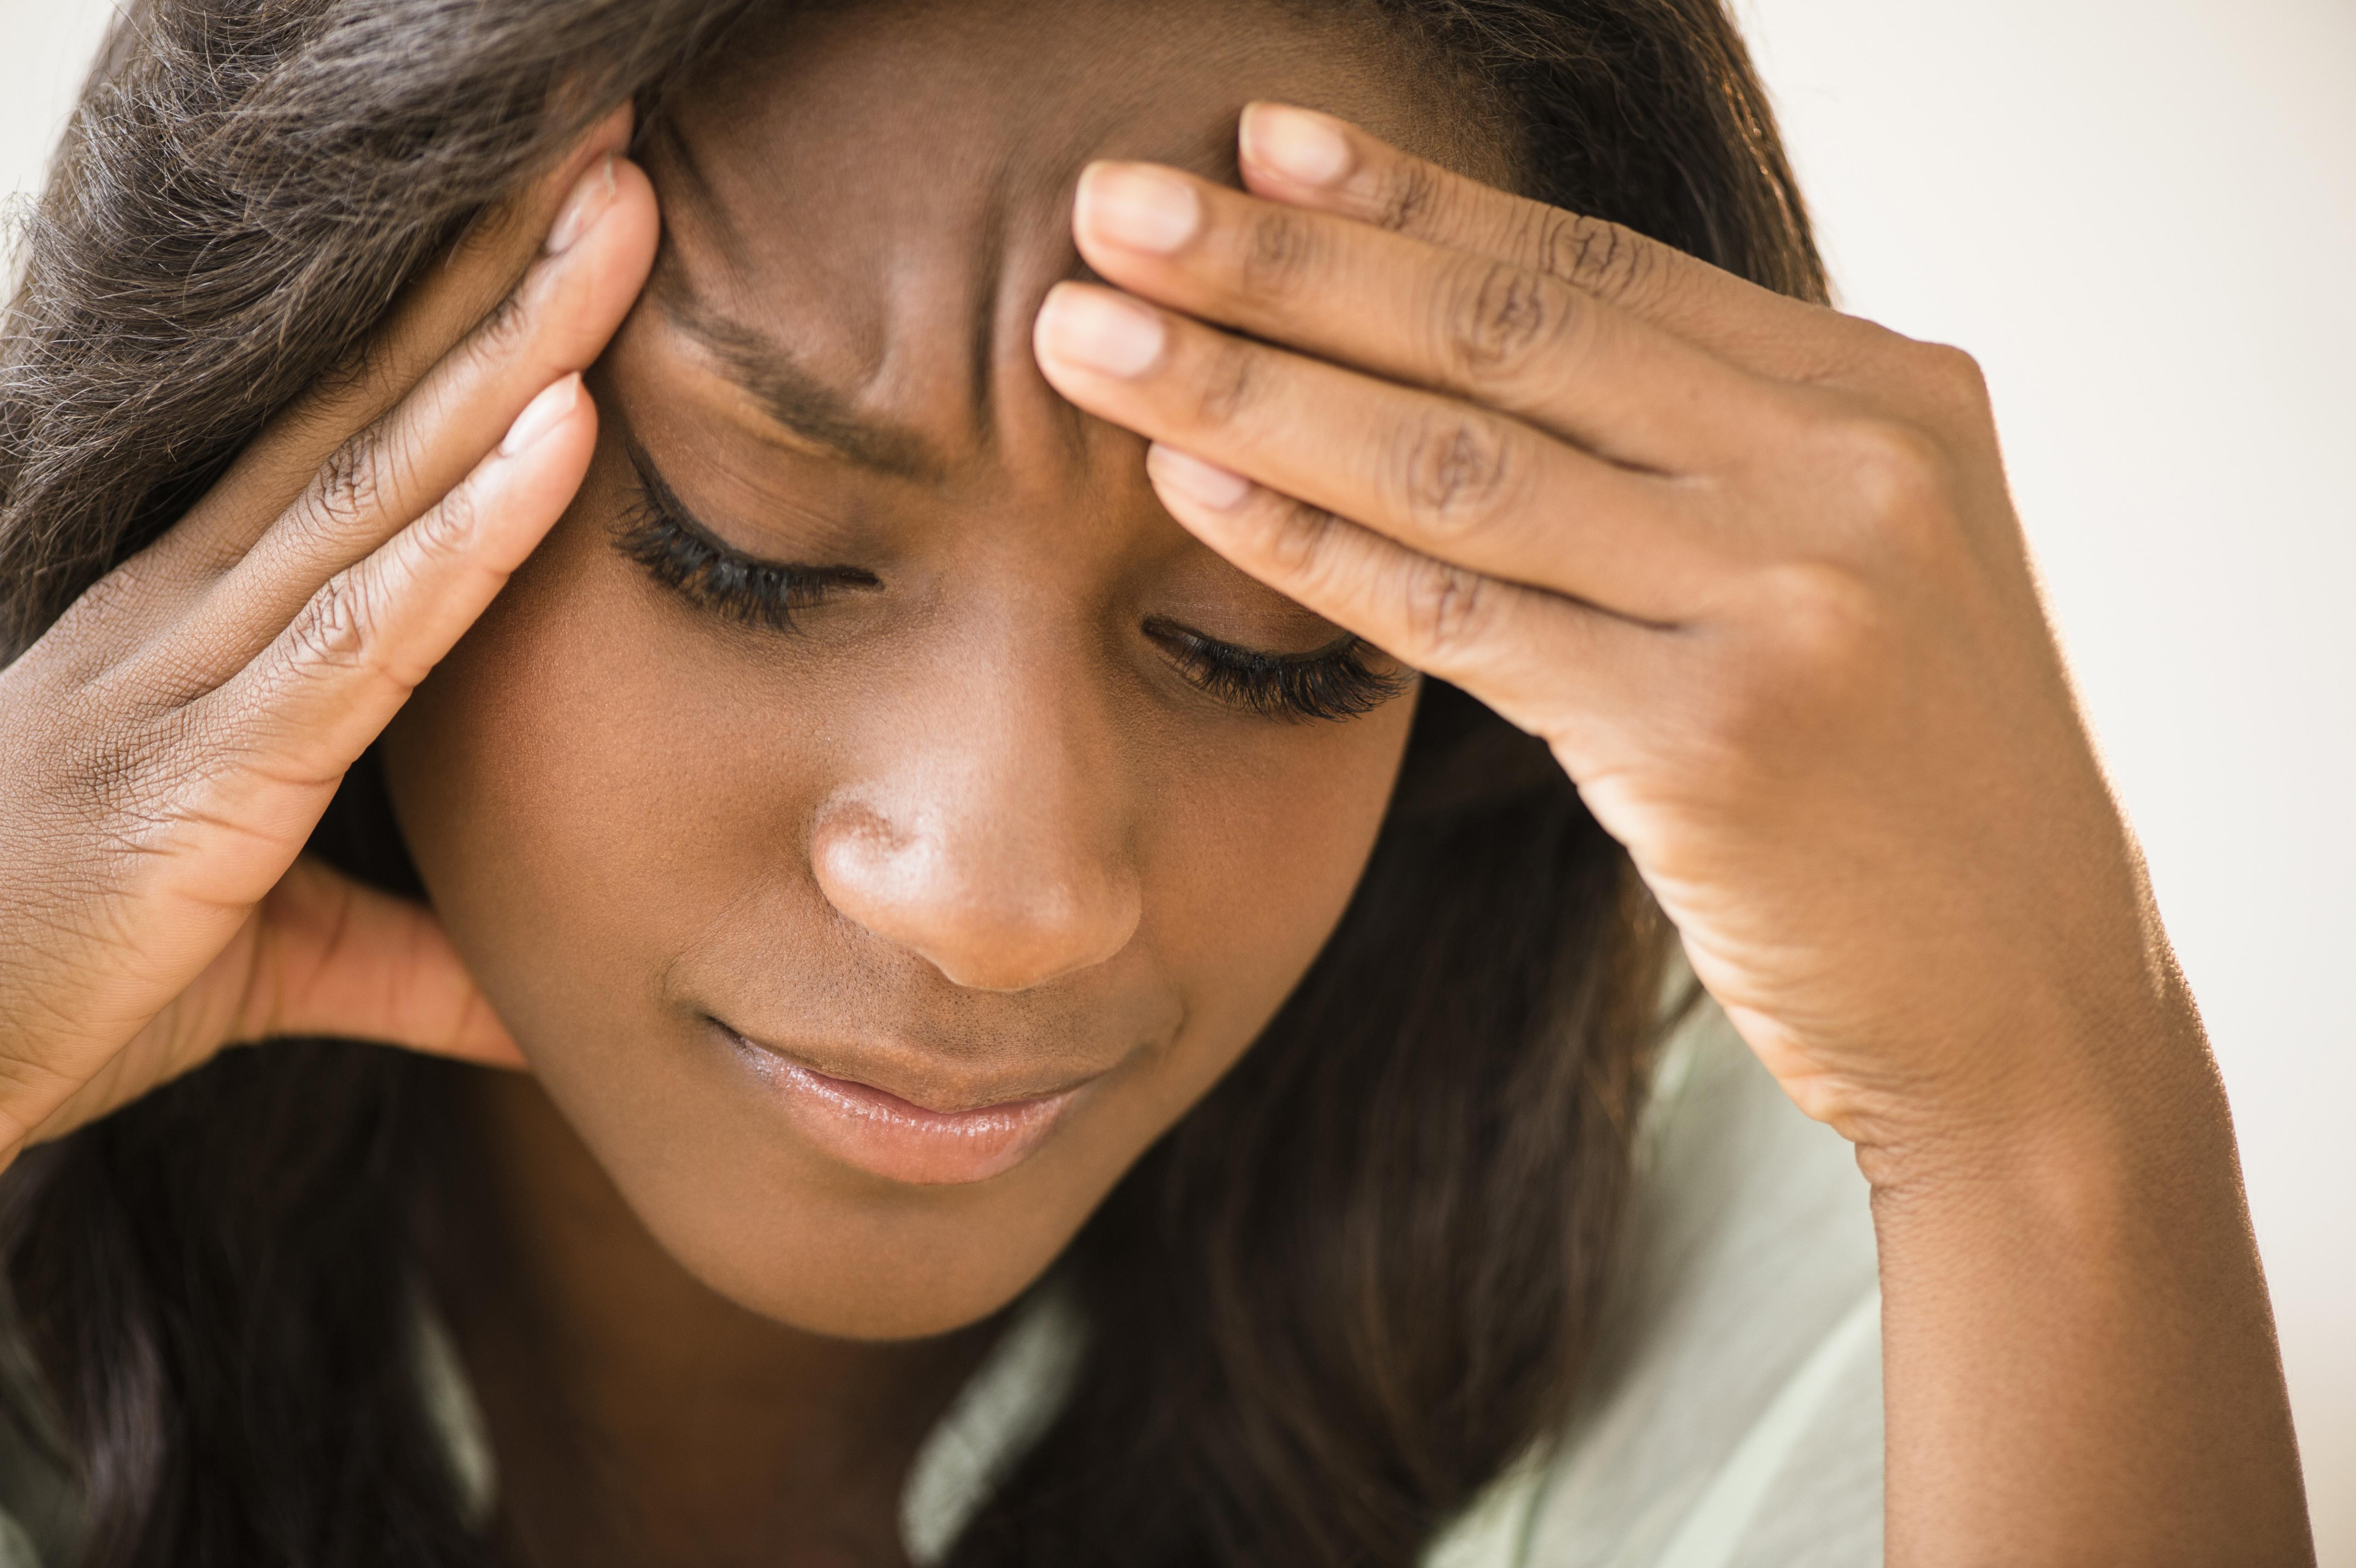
(885, 189)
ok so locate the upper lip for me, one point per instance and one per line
(921, 1078)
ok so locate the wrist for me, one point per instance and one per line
(2077, 1346)
(2062, 1095)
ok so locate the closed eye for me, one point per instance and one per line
(1337, 681)
(658, 533)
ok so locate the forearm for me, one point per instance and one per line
(2079, 1359)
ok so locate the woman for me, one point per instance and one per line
(957, 804)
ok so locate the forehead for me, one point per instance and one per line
(886, 187)
(973, 98)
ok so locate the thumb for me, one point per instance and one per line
(334, 957)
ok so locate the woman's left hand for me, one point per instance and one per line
(1750, 566)
(1746, 563)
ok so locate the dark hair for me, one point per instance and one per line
(1343, 1293)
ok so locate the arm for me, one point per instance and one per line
(1750, 566)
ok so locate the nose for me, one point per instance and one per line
(992, 852)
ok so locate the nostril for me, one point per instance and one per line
(1000, 910)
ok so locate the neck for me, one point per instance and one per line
(636, 1415)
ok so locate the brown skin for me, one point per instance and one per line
(1747, 565)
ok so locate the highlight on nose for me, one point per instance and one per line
(996, 901)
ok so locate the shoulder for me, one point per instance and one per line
(1732, 1415)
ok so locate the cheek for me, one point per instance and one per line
(564, 793)
(1258, 845)
(602, 794)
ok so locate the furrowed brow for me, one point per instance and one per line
(815, 413)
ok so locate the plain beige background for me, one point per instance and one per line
(2141, 216)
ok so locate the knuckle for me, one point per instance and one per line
(1503, 316)
(1295, 542)
(332, 632)
(1281, 254)
(1603, 258)
(1830, 624)
(1407, 196)
(350, 483)
(448, 529)
(1895, 473)
(1455, 470)
(1825, 611)
(1229, 383)
(1445, 609)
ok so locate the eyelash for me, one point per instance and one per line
(1332, 684)
(737, 587)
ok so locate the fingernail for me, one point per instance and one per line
(591, 194)
(1136, 205)
(1099, 330)
(1295, 144)
(540, 415)
(1205, 484)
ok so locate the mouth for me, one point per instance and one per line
(888, 1135)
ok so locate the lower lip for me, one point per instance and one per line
(886, 1135)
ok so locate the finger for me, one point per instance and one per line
(293, 721)
(1456, 321)
(449, 300)
(1442, 477)
(1316, 161)
(337, 958)
(395, 470)
(1509, 645)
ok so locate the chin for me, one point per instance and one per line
(861, 1275)
(848, 1214)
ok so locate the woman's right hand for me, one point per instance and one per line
(167, 749)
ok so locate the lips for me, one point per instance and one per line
(889, 1135)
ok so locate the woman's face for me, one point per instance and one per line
(876, 820)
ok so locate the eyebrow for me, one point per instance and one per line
(814, 412)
